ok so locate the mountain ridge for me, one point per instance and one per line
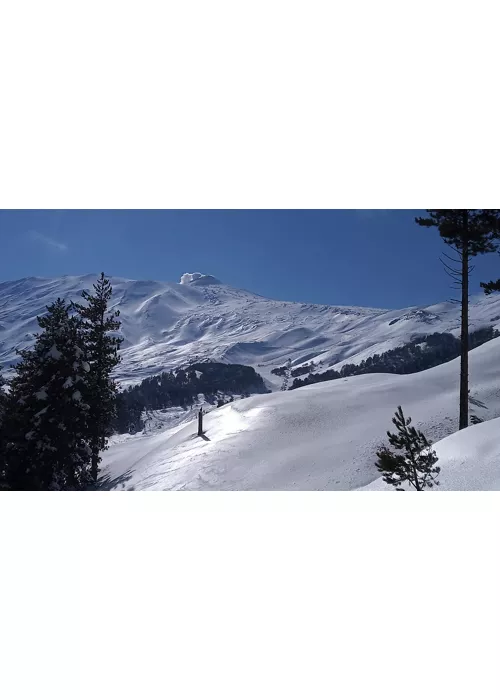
(170, 324)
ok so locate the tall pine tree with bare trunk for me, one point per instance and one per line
(469, 232)
(102, 345)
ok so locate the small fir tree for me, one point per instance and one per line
(102, 347)
(413, 463)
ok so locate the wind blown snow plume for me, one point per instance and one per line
(189, 277)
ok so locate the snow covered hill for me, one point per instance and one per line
(322, 436)
(166, 325)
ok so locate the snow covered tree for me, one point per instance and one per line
(46, 420)
(414, 462)
(101, 347)
(469, 232)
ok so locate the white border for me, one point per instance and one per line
(273, 104)
(232, 105)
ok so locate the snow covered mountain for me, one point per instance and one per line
(321, 437)
(166, 325)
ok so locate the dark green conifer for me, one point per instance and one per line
(46, 417)
(414, 462)
(100, 328)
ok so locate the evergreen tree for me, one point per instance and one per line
(469, 232)
(46, 417)
(129, 409)
(415, 461)
(102, 348)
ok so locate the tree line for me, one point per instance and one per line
(181, 388)
(424, 352)
(296, 372)
(57, 411)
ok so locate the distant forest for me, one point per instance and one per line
(297, 372)
(181, 388)
(422, 353)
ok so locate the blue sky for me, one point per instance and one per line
(361, 257)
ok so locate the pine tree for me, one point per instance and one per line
(102, 348)
(469, 232)
(46, 416)
(415, 462)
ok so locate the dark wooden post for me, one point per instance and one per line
(200, 422)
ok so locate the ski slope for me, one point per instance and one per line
(320, 437)
(167, 325)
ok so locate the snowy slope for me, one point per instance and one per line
(469, 460)
(322, 436)
(166, 325)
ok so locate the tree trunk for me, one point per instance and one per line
(464, 364)
(412, 461)
(94, 472)
(415, 476)
(97, 417)
(200, 422)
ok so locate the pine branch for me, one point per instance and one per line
(490, 287)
